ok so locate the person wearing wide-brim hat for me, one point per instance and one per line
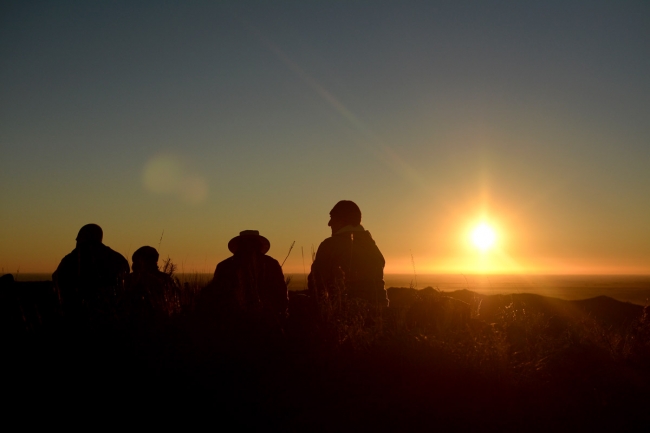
(249, 281)
(252, 237)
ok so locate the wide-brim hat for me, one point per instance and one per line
(234, 243)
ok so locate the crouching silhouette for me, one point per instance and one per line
(150, 291)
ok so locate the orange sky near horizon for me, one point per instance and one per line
(204, 120)
(446, 247)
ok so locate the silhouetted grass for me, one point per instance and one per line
(432, 359)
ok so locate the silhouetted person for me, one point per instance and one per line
(349, 261)
(249, 282)
(92, 274)
(149, 290)
(12, 317)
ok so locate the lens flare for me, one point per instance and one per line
(168, 174)
(483, 237)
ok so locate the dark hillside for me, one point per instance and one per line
(432, 360)
(607, 311)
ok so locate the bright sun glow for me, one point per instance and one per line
(483, 237)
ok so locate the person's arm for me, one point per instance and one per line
(65, 282)
(207, 300)
(279, 288)
(319, 268)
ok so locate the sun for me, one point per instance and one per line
(483, 237)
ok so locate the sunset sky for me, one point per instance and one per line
(204, 119)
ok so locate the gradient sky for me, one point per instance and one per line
(203, 119)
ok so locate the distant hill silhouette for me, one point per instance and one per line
(606, 311)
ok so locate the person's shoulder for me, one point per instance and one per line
(340, 239)
(364, 235)
(70, 258)
(270, 260)
(226, 262)
(65, 264)
(112, 252)
(165, 277)
(226, 266)
(331, 246)
(330, 241)
(115, 257)
(71, 255)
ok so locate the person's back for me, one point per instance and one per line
(348, 262)
(148, 290)
(91, 273)
(249, 281)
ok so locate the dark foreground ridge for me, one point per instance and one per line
(431, 360)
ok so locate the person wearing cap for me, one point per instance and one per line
(150, 290)
(249, 281)
(349, 262)
(92, 273)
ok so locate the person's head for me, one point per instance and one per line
(344, 213)
(249, 241)
(90, 233)
(145, 259)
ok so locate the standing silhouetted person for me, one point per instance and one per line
(92, 274)
(249, 282)
(348, 262)
(149, 290)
